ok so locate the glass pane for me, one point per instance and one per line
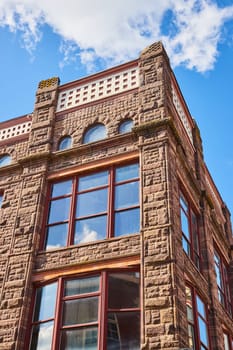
(80, 311)
(203, 331)
(226, 342)
(62, 188)
(59, 210)
(125, 285)
(195, 232)
(186, 246)
(45, 302)
(93, 180)
(190, 314)
(5, 160)
(184, 204)
(56, 236)
(191, 337)
(126, 126)
(85, 338)
(92, 202)
(1, 199)
(127, 222)
(95, 133)
(126, 195)
(82, 285)
(200, 307)
(127, 172)
(88, 230)
(42, 336)
(65, 143)
(185, 225)
(123, 331)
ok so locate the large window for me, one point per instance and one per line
(94, 206)
(190, 233)
(86, 313)
(221, 271)
(197, 321)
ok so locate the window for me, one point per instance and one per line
(86, 313)
(197, 321)
(94, 206)
(5, 160)
(228, 342)
(190, 234)
(1, 199)
(125, 126)
(95, 133)
(64, 143)
(221, 271)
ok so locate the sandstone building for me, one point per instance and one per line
(113, 234)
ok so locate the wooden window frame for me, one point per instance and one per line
(224, 290)
(196, 316)
(195, 254)
(110, 212)
(103, 308)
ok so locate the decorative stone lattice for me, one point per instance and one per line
(98, 89)
(15, 130)
(182, 114)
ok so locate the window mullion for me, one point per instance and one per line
(57, 317)
(102, 330)
(70, 239)
(110, 227)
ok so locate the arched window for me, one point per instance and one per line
(95, 133)
(64, 143)
(5, 160)
(125, 126)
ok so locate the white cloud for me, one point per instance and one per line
(116, 31)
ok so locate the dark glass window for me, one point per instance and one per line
(221, 271)
(64, 143)
(197, 321)
(95, 133)
(92, 207)
(5, 160)
(125, 126)
(80, 321)
(190, 233)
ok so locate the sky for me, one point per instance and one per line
(75, 38)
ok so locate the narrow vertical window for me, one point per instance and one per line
(190, 232)
(221, 271)
(126, 202)
(1, 199)
(197, 321)
(59, 214)
(43, 318)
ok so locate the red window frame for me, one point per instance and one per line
(110, 211)
(191, 239)
(222, 280)
(103, 307)
(199, 319)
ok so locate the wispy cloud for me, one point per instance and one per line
(116, 31)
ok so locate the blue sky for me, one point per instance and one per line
(73, 38)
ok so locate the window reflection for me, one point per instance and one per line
(65, 143)
(125, 126)
(95, 133)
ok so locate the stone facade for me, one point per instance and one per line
(170, 158)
